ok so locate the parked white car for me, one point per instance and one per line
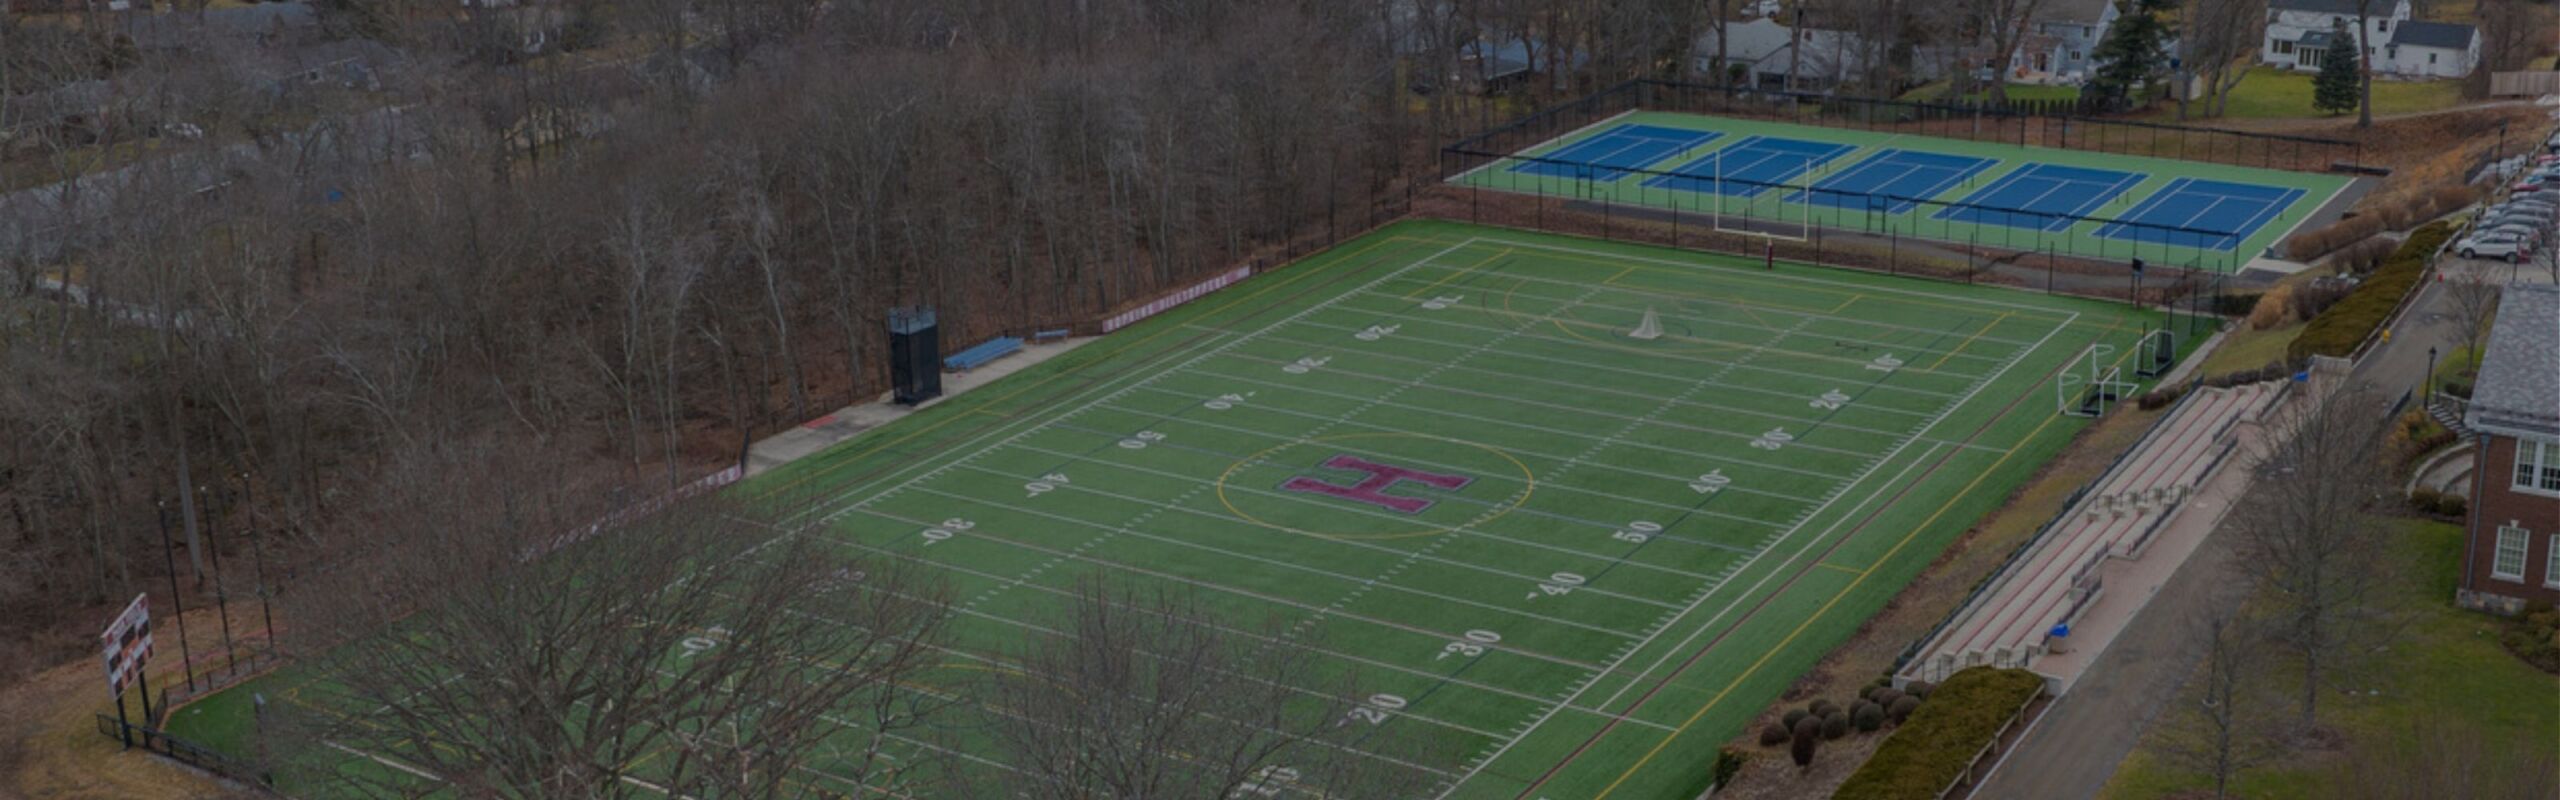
(2494, 244)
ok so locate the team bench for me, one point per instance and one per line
(979, 354)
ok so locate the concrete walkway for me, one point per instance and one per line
(851, 421)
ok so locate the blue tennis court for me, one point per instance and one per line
(2213, 214)
(1893, 181)
(1753, 165)
(1608, 155)
(2045, 197)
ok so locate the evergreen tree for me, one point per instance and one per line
(2134, 51)
(2334, 89)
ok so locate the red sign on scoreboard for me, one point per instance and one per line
(127, 642)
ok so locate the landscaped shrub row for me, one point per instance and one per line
(1927, 752)
(2361, 257)
(2337, 331)
(2317, 242)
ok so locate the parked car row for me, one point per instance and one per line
(2514, 229)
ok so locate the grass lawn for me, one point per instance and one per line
(2269, 92)
(2244, 348)
(1936, 90)
(2447, 666)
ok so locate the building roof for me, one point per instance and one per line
(2346, 7)
(2447, 35)
(2518, 393)
(2085, 12)
(2318, 40)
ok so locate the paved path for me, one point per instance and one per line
(2075, 747)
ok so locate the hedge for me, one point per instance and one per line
(1928, 752)
(2341, 327)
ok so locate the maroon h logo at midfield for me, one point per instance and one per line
(1372, 490)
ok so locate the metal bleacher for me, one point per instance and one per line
(2010, 621)
(979, 354)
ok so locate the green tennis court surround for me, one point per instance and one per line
(1786, 177)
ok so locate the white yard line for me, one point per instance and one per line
(1616, 661)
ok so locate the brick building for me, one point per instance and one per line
(2512, 553)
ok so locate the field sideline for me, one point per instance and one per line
(1561, 562)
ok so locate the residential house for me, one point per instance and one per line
(2512, 554)
(1770, 52)
(2300, 34)
(2061, 41)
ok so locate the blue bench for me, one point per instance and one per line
(979, 354)
(1042, 336)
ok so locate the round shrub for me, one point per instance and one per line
(1772, 733)
(1822, 707)
(1868, 692)
(1807, 727)
(1919, 689)
(1794, 716)
(1868, 718)
(1886, 697)
(1901, 709)
(1807, 740)
(1835, 726)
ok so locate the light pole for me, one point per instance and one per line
(2430, 378)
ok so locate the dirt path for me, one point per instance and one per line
(50, 746)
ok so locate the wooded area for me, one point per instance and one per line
(636, 233)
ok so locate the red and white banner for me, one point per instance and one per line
(1167, 302)
(127, 642)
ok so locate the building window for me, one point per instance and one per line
(2551, 563)
(2431, 58)
(2509, 563)
(2075, 55)
(2537, 466)
(2086, 31)
(2382, 26)
(2284, 48)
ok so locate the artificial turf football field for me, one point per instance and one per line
(2190, 214)
(1560, 562)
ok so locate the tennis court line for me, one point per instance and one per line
(1545, 145)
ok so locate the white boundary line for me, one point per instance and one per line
(1534, 149)
(1756, 586)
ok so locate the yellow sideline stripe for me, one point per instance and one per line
(1818, 613)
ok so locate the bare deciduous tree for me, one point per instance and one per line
(2471, 299)
(2306, 535)
(2224, 724)
(1148, 694)
(487, 641)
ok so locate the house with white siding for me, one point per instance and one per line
(2300, 34)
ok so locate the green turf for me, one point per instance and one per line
(1585, 617)
(2079, 239)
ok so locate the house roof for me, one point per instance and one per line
(2518, 392)
(2086, 12)
(2345, 7)
(2447, 35)
(2318, 40)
